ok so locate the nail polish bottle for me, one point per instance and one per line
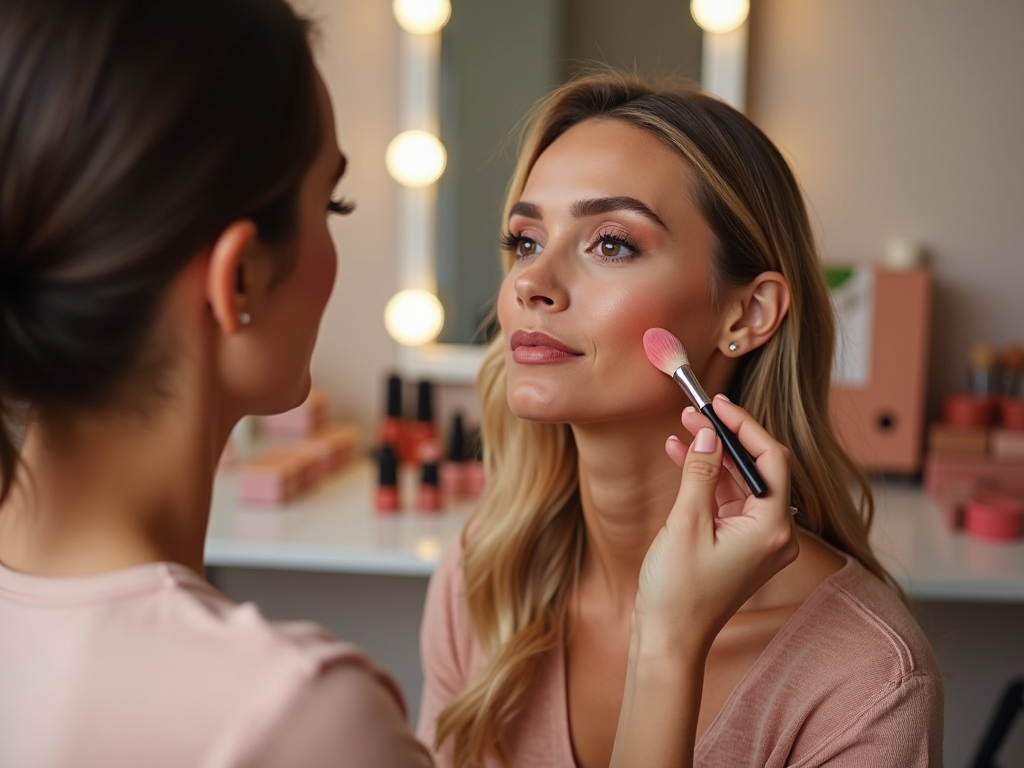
(387, 486)
(422, 430)
(430, 489)
(393, 429)
(453, 470)
(474, 478)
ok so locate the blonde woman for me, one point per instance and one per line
(634, 207)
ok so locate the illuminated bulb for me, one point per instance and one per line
(413, 317)
(428, 548)
(415, 158)
(719, 15)
(422, 17)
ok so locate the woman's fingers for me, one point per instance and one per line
(754, 437)
(696, 505)
(733, 486)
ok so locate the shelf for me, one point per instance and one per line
(334, 529)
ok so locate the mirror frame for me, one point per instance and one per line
(723, 73)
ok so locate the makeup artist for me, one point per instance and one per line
(634, 207)
(166, 168)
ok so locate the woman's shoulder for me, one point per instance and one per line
(446, 626)
(850, 670)
(856, 601)
(142, 641)
(306, 646)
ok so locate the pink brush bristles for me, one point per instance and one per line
(664, 350)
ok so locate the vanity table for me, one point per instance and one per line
(328, 556)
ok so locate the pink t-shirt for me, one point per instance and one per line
(151, 667)
(850, 680)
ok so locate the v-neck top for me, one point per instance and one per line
(849, 680)
(151, 666)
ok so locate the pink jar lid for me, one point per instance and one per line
(994, 516)
(964, 411)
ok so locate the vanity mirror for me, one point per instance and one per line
(473, 83)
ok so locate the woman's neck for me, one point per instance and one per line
(627, 487)
(102, 492)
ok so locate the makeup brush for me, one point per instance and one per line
(666, 353)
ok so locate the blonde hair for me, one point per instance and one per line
(522, 547)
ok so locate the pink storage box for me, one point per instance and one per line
(274, 478)
(303, 421)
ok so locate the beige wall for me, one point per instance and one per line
(358, 56)
(906, 118)
(900, 118)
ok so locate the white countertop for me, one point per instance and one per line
(933, 562)
(335, 529)
(332, 528)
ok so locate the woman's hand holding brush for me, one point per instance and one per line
(719, 545)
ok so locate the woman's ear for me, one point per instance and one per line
(230, 278)
(759, 309)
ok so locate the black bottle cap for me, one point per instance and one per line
(388, 466)
(425, 402)
(430, 476)
(457, 440)
(394, 396)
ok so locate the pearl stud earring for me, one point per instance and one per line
(733, 347)
(244, 318)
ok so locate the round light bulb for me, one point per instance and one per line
(719, 15)
(422, 17)
(413, 317)
(415, 158)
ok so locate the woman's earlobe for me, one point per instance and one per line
(227, 281)
(765, 303)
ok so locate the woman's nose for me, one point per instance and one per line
(539, 286)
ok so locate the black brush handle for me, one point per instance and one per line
(739, 454)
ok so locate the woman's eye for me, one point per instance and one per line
(522, 247)
(528, 247)
(611, 248)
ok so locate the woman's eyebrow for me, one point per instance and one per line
(598, 205)
(592, 207)
(529, 210)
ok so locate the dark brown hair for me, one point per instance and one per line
(132, 133)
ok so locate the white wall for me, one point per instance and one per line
(358, 57)
(906, 118)
(900, 118)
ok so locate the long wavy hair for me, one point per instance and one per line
(523, 545)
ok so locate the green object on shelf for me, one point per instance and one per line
(836, 276)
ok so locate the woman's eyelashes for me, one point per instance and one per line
(341, 207)
(521, 246)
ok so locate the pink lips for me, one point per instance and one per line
(537, 347)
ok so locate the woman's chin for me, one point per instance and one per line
(539, 410)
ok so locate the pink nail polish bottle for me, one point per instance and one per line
(453, 470)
